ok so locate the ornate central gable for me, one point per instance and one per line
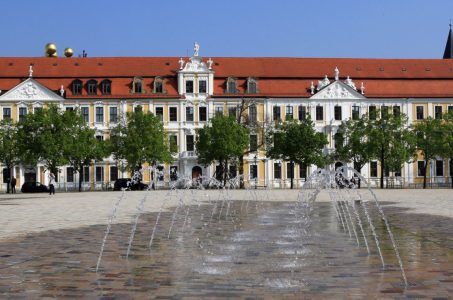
(337, 90)
(30, 91)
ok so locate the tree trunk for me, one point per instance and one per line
(291, 165)
(225, 173)
(451, 171)
(241, 171)
(382, 167)
(80, 177)
(425, 166)
(8, 184)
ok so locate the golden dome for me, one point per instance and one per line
(68, 52)
(51, 50)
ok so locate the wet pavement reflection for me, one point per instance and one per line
(255, 250)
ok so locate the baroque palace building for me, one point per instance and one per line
(186, 92)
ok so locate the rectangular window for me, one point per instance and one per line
(190, 143)
(218, 173)
(438, 112)
(253, 171)
(396, 110)
(37, 109)
(253, 142)
(372, 112)
(138, 108)
(6, 113)
(303, 171)
(289, 171)
(69, 108)
(319, 113)
(189, 86)
(202, 86)
(355, 112)
(276, 111)
(203, 115)
(289, 112)
(252, 113)
(85, 114)
(232, 110)
(386, 172)
(86, 174)
(398, 173)
(233, 171)
(113, 173)
(439, 168)
(100, 137)
(384, 112)
(302, 113)
(174, 173)
(99, 174)
(373, 169)
(113, 114)
(69, 174)
(189, 114)
(173, 114)
(160, 113)
(450, 108)
(419, 112)
(22, 113)
(277, 171)
(99, 114)
(337, 113)
(219, 111)
(420, 168)
(173, 143)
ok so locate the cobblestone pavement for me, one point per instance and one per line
(244, 250)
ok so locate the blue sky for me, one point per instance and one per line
(322, 28)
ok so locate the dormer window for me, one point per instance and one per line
(251, 86)
(106, 87)
(158, 85)
(77, 87)
(137, 85)
(189, 86)
(231, 86)
(92, 87)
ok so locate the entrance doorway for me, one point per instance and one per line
(196, 172)
(338, 165)
(30, 174)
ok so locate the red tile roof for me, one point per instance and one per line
(277, 77)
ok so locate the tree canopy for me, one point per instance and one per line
(297, 142)
(222, 140)
(141, 139)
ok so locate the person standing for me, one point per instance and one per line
(51, 183)
(13, 185)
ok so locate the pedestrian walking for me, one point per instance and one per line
(51, 183)
(13, 185)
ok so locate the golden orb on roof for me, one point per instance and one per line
(68, 52)
(51, 50)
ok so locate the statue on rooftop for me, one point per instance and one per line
(196, 48)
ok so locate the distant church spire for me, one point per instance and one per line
(448, 53)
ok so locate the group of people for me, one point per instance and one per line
(12, 183)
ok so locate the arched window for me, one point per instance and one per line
(158, 85)
(106, 87)
(77, 87)
(137, 85)
(231, 86)
(252, 86)
(92, 87)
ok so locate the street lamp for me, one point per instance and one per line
(256, 174)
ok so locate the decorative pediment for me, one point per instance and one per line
(337, 90)
(30, 91)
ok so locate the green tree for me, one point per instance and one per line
(9, 152)
(42, 137)
(429, 141)
(222, 140)
(447, 145)
(352, 144)
(141, 139)
(391, 142)
(297, 142)
(82, 147)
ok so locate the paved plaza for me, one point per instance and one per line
(213, 249)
